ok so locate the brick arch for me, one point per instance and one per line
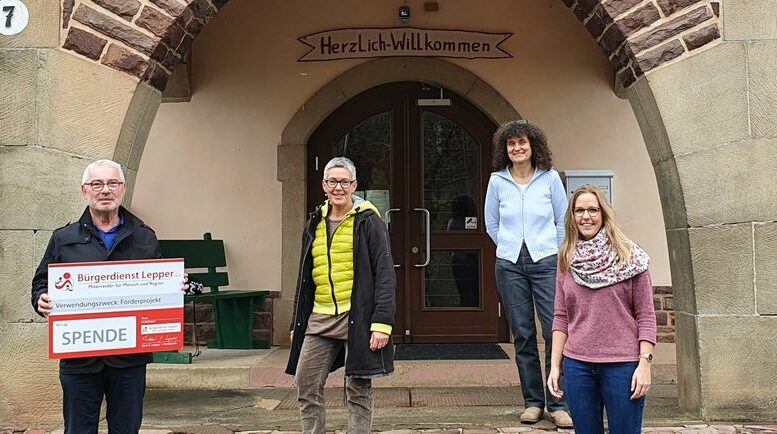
(637, 35)
(148, 38)
(143, 38)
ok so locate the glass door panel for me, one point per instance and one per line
(452, 279)
(368, 145)
(451, 174)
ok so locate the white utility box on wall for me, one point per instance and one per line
(598, 178)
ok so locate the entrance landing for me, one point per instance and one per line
(248, 390)
(259, 369)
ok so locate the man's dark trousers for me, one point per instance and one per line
(123, 389)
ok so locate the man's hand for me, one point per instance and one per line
(378, 340)
(44, 305)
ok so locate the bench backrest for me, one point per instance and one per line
(206, 253)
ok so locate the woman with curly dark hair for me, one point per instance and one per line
(540, 155)
(525, 206)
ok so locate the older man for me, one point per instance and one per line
(105, 232)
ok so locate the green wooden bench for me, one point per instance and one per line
(233, 310)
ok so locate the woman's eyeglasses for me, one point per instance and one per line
(593, 212)
(332, 183)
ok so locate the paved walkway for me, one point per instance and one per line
(685, 429)
(246, 391)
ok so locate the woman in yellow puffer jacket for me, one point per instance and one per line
(345, 302)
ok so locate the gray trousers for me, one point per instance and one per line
(318, 354)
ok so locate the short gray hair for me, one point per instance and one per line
(108, 163)
(340, 162)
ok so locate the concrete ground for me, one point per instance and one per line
(246, 410)
(685, 429)
(228, 391)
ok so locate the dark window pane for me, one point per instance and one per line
(451, 173)
(452, 279)
(368, 145)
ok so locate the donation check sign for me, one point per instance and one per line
(115, 307)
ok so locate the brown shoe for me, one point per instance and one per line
(561, 419)
(531, 415)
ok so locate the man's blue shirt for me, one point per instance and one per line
(109, 238)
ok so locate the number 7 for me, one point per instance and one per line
(8, 17)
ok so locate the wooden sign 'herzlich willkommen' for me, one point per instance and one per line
(359, 43)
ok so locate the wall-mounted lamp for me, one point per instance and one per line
(404, 14)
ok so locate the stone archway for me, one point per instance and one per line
(291, 152)
(702, 87)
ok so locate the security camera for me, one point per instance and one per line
(404, 14)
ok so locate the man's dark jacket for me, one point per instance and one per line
(372, 296)
(80, 242)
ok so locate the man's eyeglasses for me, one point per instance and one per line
(98, 185)
(332, 183)
(593, 212)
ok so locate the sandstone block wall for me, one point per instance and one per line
(711, 128)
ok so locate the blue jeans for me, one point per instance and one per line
(123, 389)
(593, 387)
(522, 287)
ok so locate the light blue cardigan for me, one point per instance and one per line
(534, 216)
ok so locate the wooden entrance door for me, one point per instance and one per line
(425, 166)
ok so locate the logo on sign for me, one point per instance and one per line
(64, 283)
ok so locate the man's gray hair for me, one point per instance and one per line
(340, 162)
(108, 163)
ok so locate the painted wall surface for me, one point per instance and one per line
(210, 164)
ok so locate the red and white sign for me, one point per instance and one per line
(115, 307)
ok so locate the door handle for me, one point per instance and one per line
(387, 215)
(428, 226)
(387, 219)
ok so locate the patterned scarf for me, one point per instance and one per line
(594, 263)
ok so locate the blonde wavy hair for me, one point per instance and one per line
(618, 240)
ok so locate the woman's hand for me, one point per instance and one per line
(640, 381)
(556, 356)
(378, 340)
(553, 377)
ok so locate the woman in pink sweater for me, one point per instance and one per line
(604, 325)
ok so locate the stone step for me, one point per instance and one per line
(257, 369)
